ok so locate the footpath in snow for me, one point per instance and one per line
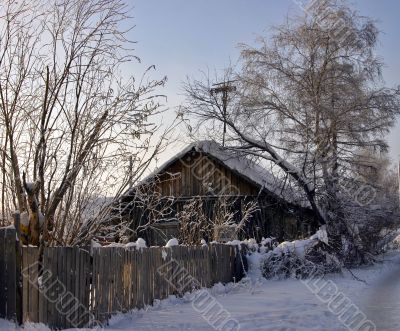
(259, 304)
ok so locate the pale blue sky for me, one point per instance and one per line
(182, 37)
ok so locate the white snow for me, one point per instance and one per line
(172, 242)
(321, 235)
(298, 247)
(24, 219)
(94, 206)
(140, 243)
(116, 245)
(269, 305)
(251, 244)
(235, 242)
(267, 244)
(396, 242)
(94, 244)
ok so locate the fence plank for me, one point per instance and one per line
(94, 297)
(61, 278)
(33, 285)
(3, 304)
(82, 286)
(135, 278)
(79, 270)
(67, 285)
(52, 267)
(85, 286)
(42, 296)
(30, 291)
(8, 276)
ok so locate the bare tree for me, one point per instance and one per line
(308, 99)
(196, 224)
(130, 215)
(70, 119)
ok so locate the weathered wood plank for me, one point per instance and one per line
(42, 297)
(79, 269)
(136, 278)
(60, 278)
(3, 302)
(8, 290)
(50, 267)
(67, 283)
(10, 274)
(52, 294)
(30, 284)
(82, 285)
(86, 285)
(94, 296)
(34, 286)
(107, 282)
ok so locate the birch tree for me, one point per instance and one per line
(308, 99)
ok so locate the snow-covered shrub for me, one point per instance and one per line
(268, 244)
(300, 258)
(358, 233)
(396, 242)
(363, 212)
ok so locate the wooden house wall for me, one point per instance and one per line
(190, 177)
(194, 174)
(272, 219)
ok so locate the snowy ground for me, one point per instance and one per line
(275, 305)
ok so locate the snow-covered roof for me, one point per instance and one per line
(237, 162)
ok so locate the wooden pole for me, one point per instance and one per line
(224, 88)
(130, 174)
(398, 177)
(17, 220)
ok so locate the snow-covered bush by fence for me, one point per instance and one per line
(300, 258)
(396, 242)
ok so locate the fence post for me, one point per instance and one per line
(17, 220)
(18, 256)
(8, 274)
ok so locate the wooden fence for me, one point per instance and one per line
(75, 287)
(56, 291)
(9, 276)
(127, 279)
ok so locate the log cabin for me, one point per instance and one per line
(205, 170)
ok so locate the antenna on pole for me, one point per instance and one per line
(398, 177)
(130, 171)
(224, 88)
